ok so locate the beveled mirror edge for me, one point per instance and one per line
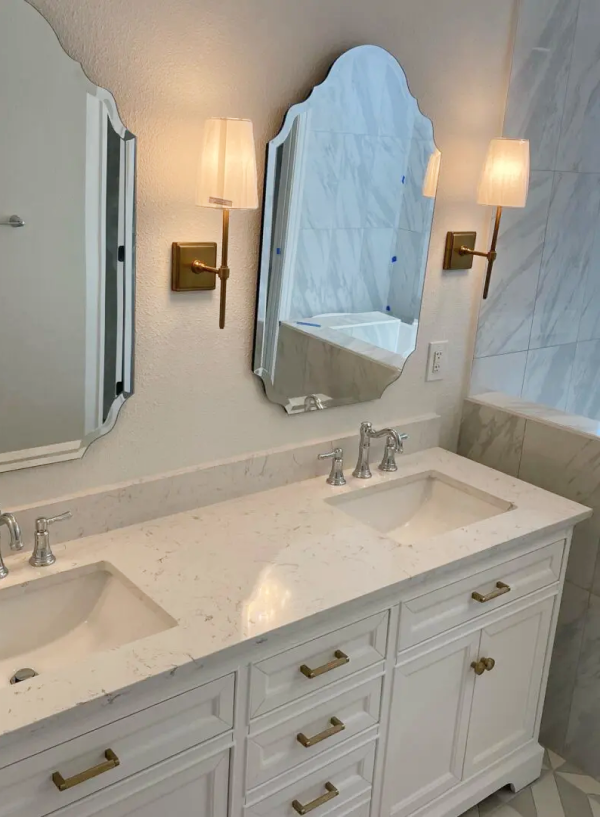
(267, 228)
(76, 449)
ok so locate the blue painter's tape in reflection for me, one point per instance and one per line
(306, 323)
(394, 259)
(278, 250)
(403, 179)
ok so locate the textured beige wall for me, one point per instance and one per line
(173, 64)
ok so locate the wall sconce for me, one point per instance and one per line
(504, 183)
(432, 174)
(227, 180)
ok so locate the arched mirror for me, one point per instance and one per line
(67, 183)
(349, 196)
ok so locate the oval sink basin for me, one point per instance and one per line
(59, 620)
(418, 508)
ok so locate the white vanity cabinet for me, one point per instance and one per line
(418, 703)
(447, 723)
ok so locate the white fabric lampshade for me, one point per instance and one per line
(505, 178)
(431, 176)
(227, 173)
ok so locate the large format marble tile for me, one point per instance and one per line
(506, 316)
(548, 375)
(582, 744)
(589, 326)
(350, 99)
(568, 464)
(539, 76)
(492, 437)
(579, 146)
(570, 233)
(563, 669)
(345, 284)
(416, 213)
(503, 373)
(309, 290)
(355, 181)
(323, 164)
(584, 394)
(387, 184)
(399, 108)
(376, 266)
(407, 275)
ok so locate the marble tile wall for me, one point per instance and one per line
(544, 303)
(364, 225)
(520, 440)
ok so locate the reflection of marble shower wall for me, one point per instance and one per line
(359, 198)
(311, 365)
(565, 462)
(539, 331)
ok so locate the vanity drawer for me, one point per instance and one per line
(434, 613)
(309, 667)
(277, 745)
(138, 741)
(338, 784)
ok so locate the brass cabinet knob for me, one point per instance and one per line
(483, 665)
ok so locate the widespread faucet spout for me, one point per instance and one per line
(16, 541)
(395, 445)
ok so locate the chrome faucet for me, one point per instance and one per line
(394, 445)
(16, 542)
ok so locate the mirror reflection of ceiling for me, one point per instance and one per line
(348, 213)
(67, 166)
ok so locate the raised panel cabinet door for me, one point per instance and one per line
(428, 727)
(506, 697)
(189, 785)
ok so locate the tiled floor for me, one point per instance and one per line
(561, 791)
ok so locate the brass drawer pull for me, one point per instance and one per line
(111, 762)
(336, 727)
(482, 665)
(500, 590)
(340, 659)
(320, 801)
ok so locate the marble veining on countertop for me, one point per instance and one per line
(233, 571)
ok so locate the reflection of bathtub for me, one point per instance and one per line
(375, 329)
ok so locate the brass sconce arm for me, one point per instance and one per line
(459, 256)
(223, 271)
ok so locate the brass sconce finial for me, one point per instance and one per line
(227, 180)
(504, 183)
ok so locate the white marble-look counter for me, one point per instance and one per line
(235, 570)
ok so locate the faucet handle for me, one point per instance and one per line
(336, 477)
(42, 552)
(41, 524)
(394, 444)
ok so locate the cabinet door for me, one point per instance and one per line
(188, 785)
(506, 698)
(429, 719)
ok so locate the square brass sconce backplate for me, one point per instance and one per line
(452, 257)
(182, 277)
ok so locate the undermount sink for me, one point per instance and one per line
(420, 507)
(56, 621)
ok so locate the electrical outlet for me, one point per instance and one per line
(436, 361)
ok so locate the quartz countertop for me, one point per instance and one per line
(232, 571)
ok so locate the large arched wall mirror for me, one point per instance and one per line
(349, 196)
(67, 186)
